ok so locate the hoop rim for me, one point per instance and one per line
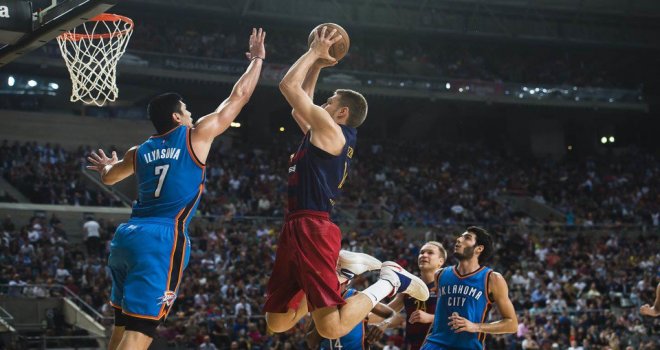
(104, 17)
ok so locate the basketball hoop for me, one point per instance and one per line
(92, 54)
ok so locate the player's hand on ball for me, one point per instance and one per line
(100, 160)
(419, 316)
(325, 63)
(257, 47)
(322, 43)
(460, 324)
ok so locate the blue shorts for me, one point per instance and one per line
(147, 259)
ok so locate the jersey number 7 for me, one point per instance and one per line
(162, 171)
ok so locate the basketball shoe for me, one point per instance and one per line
(403, 281)
(351, 264)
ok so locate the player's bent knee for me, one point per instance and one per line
(278, 323)
(329, 331)
(141, 325)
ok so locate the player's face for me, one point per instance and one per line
(332, 106)
(186, 116)
(429, 258)
(465, 244)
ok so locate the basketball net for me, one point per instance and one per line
(91, 52)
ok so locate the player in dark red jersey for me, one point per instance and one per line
(420, 314)
(304, 277)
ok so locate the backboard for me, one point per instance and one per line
(46, 21)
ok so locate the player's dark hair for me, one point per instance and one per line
(357, 106)
(484, 239)
(160, 111)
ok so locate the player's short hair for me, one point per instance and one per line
(484, 239)
(441, 248)
(160, 111)
(357, 106)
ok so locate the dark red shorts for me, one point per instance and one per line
(306, 262)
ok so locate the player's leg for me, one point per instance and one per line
(117, 330)
(134, 341)
(115, 338)
(286, 303)
(156, 260)
(279, 322)
(139, 336)
(349, 265)
(334, 322)
(117, 265)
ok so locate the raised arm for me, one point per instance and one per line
(309, 86)
(327, 134)
(500, 296)
(112, 170)
(211, 125)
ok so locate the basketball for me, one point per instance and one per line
(340, 48)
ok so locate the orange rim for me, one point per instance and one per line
(105, 17)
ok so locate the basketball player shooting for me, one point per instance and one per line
(304, 277)
(149, 253)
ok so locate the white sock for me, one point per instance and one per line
(378, 291)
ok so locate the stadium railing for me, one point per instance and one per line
(54, 290)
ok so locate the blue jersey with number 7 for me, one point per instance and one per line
(170, 177)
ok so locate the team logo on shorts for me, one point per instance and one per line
(167, 298)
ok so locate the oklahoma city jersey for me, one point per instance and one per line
(468, 296)
(315, 176)
(149, 253)
(170, 177)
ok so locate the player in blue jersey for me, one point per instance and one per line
(149, 253)
(466, 293)
(304, 273)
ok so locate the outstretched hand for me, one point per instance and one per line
(100, 160)
(257, 47)
(321, 46)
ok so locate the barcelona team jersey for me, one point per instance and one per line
(354, 340)
(468, 296)
(416, 332)
(316, 177)
(170, 177)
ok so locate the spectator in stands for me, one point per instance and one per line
(207, 345)
(92, 236)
